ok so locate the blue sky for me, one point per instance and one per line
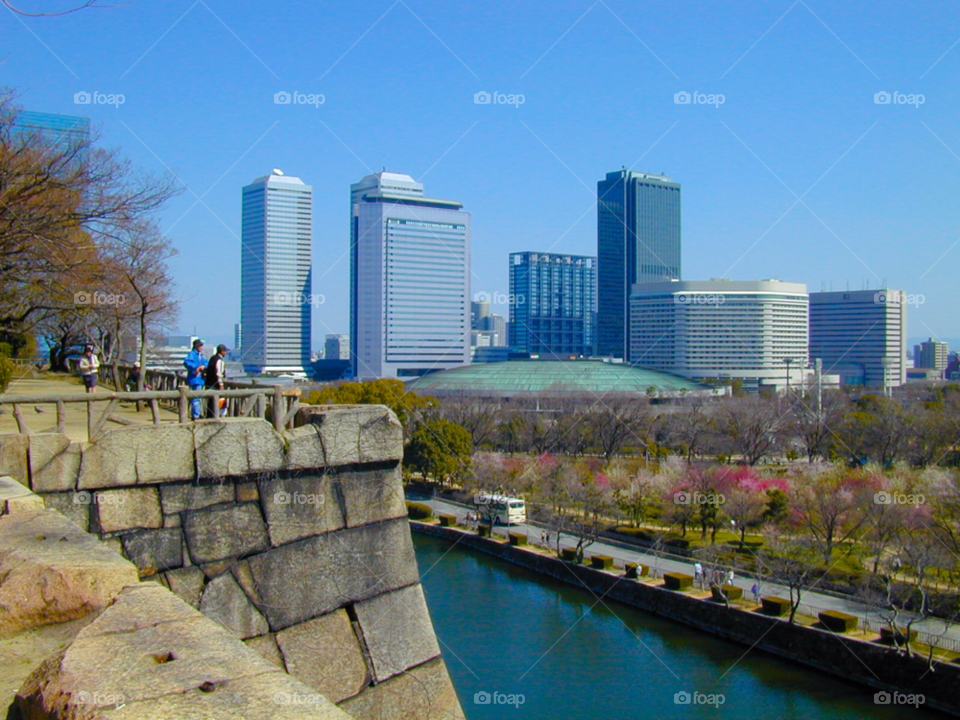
(877, 183)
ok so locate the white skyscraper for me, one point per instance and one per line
(409, 279)
(275, 295)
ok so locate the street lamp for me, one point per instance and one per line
(787, 361)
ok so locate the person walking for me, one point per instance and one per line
(195, 363)
(89, 367)
(698, 574)
(756, 593)
(214, 378)
(729, 577)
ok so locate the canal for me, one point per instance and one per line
(506, 632)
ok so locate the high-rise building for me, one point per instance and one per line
(752, 331)
(409, 279)
(638, 241)
(553, 303)
(276, 289)
(931, 354)
(53, 128)
(861, 336)
(497, 324)
(237, 336)
(337, 347)
(479, 309)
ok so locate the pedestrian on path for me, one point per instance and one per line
(756, 593)
(730, 577)
(698, 574)
(196, 364)
(89, 367)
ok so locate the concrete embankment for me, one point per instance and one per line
(871, 664)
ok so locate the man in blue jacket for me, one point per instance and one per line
(196, 364)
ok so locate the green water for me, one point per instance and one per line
(506, 630)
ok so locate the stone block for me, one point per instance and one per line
(74, 505)
(216, 569)
(372, 495)
(154, 551)
(236, 446)
(363, 434)
(305, 448)
(325, 654)
(139, 454)
(187, 584)
(160, 659)
(127, 508)
(13, 457)
(224, 531)
(300, 507)
(247, 492)
(16, 497)
(266, 647)
(224, 602)
(54, 462)
(317, 575)
(244, 577)
(172, 521)
(188, 496)
(425, 693)
(398, 632)
(54, 572)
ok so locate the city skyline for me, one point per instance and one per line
(799, 172)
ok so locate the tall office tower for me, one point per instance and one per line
(931, 354)
(275, 292)
(337, 347)
(861, 336)
(237, 336)
(752, 331)
(553, 303)
(497, 324)
(409, 279)
(638, 241)
(53, 128)
(479, 309)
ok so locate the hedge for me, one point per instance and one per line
(601, 562)
(838, 621)
(568, 554)
(635, 570)
(634, 533)
(776, 606)
(419, 511)
(677, 581)
(518, 539)
(483, 530)
(889, 635)
(448, 520)
(732, 592)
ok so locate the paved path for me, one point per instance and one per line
(621, 554)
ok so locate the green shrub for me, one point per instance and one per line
(518, 539)
(569, 554)
(679, 543)
(6, 372)
(838, 621)
(776, 606)
(636, 533)
(677, 581)
(601, 562)
(448, 520)
(419, 511)
(899, 636)
(732, 592)
(483, 530)
(630, 570)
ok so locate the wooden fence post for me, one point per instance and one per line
(183, 405)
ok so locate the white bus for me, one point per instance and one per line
(503, 509)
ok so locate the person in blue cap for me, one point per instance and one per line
(196, 364)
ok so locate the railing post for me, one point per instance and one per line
(183, 405)
(261, 406)
(21, 423)
(279, 408)
(61, 417)
(89, 420)
(155, 411)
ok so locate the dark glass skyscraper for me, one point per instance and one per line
(553, 303)
(638, 240)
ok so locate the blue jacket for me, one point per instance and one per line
(194, 360)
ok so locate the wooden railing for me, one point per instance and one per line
(240, 402)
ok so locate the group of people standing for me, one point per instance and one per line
(204, 374)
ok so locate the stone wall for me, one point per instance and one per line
(869, 664)
(297, 543)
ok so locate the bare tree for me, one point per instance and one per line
(618, 420)
(751, 426)
(788, 561)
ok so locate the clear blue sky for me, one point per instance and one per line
(878, 183)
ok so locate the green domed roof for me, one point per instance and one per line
(552, 376)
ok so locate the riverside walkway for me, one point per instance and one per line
(945, 635)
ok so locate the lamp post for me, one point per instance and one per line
(787, 361)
